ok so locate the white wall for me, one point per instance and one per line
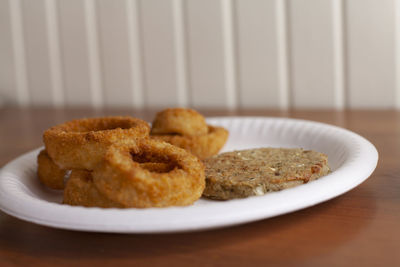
(201, 53)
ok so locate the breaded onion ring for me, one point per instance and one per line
(81, 144)
(80, 191)
(179, 121)
(49, 173)
(202, 146)
(121, 178)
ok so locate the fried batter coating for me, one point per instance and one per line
(121, 178)
(80, 191)
(181, 121)
(49, 173)
(81, 144)
(202, 146)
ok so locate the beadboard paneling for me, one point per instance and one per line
(201, 53)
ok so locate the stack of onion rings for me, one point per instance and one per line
(181, 127)
(122, 179)
(113, 163)
(81, 144)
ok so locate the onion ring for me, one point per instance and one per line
(179, 121)
(121, 178)
(80, 191)
(49, 173)
(81, 144)
(202, 146)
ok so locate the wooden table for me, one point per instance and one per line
(359, 228)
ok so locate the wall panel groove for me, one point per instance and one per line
(339, 54)
(283, 47)
(95, 67)
(51, 11)
(19, 55)
(180, 52)
(135, 54)
(229, 43)
(397, 53)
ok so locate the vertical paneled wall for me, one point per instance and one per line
(201, 53)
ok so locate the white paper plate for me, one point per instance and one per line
(351, 157)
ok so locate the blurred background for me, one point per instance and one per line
(276, 54)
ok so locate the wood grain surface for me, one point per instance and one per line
(359, 228)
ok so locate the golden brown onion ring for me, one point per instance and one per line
(179, 121)
(121, 178)
(80, 191)
(202, 146)
(49, 173)
(81, 144)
